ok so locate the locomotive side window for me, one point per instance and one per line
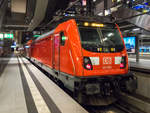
(63, 39)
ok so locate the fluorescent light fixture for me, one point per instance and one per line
(136, 29)
(114, 9)
(118, 0)
(107, 12)
(105, 39)
(110, 34)
(13, 46)
(100, 14)
(26, 46)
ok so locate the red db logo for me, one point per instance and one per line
(107, 60)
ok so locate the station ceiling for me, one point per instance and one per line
(28, 15)
(18, 6)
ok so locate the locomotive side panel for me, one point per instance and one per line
(35, 51)
(66, 62)
(75, 46)
(42, 51)
(47, 51)
(56, 50)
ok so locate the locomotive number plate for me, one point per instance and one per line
(107, 60)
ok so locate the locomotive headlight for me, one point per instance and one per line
(121, 65)
(123, 62)
(89, 66)
(86, 60)
(87, 63)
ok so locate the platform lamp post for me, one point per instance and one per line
(137, 48)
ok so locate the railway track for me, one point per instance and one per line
(141, 98)
(106, 109)
(118, 107)
(142, 70)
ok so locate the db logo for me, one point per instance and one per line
(107, 60)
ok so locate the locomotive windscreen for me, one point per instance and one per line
(98, 39)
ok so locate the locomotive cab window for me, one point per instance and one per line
(62, 38)
(92, 39)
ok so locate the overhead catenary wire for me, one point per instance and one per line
(60, 13)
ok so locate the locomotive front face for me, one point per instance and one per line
(104, 59)
(103, 50)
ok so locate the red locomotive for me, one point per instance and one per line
(87, 57)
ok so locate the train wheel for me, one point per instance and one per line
(78, 96)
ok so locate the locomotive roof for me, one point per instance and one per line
(44, 35)
(78, 19)
(86, 18)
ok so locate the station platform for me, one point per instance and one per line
(143, 64)
(25, 89)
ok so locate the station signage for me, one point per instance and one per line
(8, 36)
(145, 7)
(36, 36)
(130, 44)
(84, 2)
(1, 36)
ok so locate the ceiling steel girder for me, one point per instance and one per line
(3, 8)
(134, 17)
(39, 14)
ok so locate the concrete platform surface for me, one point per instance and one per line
(25, 89)
(143, 63)
(11, 90)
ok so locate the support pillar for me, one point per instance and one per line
(90, 7)
(18, 37)
(137, 48)
(105, 6)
